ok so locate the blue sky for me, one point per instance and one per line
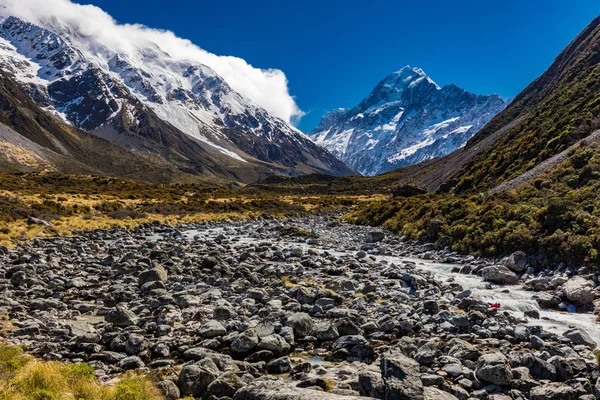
(334, 52)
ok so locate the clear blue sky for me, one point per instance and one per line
(334, 52)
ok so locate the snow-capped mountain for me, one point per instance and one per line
(406, 119)
(144, 99)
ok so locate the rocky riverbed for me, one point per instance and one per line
(302, 309)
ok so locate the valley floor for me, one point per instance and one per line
(301, 308)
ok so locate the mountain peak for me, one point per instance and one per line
(406, 119)
(409, 76)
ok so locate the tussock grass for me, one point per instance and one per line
(75, 203)
(23, 378)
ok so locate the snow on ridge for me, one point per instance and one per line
(406, 119)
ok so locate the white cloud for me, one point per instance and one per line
(266, 88)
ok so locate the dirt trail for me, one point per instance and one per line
(544, 166)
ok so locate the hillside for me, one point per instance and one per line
(559, 108)
(140, 97)
(32, 139)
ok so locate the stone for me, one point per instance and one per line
(38, 221)
(375, 236)
(579, 290)
(579, 336)
(370, 383)
(494, 368)
(499, 274)
(156, 274)
(427, 353)
(244, 343)
(275, 344)
(325, 331)
(432, 393)
(516, 262)
(279, 366)
(301, 323)
(121, 317)
(169, 390)
(553, 391)
(225, 386)
(131, 362)
(212, 329)
(277, 390)
(194, 380)
(401, 377)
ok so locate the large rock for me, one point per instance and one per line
(432, 393)
(579, 336)
(579, 291)
(517, 261)
(274, 343)
(212, 329)
(278, 390)
(301, 323)
(462, 350)
(499, 274)
(121, 317)
(553, 391)
(194, 380)
(325, 331)
(156, 274)
(401, 376)
(244, 343)
(370, 383)
(224, 386)
(375, 236)
(494, 368)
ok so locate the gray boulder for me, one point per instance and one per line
(494, 368)
(579, 336)
(401, 376)
(121, 317)
(194, 380)
(169, 390)
(278, 390)
(301, 323)
(212, 329)
(499, 274)
(553, 391)
(432, 393)
(517, 261)
(375, 236)
(275, 344)
(244, 343)
(156, 274)
(579, 290)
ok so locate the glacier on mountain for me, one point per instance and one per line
(406, 119)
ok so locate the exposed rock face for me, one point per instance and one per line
(143, 98)
(406, 119)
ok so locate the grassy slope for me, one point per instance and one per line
(557, 215)
(559, 108)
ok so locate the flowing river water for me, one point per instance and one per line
(514, 299)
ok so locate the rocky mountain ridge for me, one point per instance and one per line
(406, 119)
(145, 100)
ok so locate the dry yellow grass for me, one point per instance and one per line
(23, 378)
(89, 211)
